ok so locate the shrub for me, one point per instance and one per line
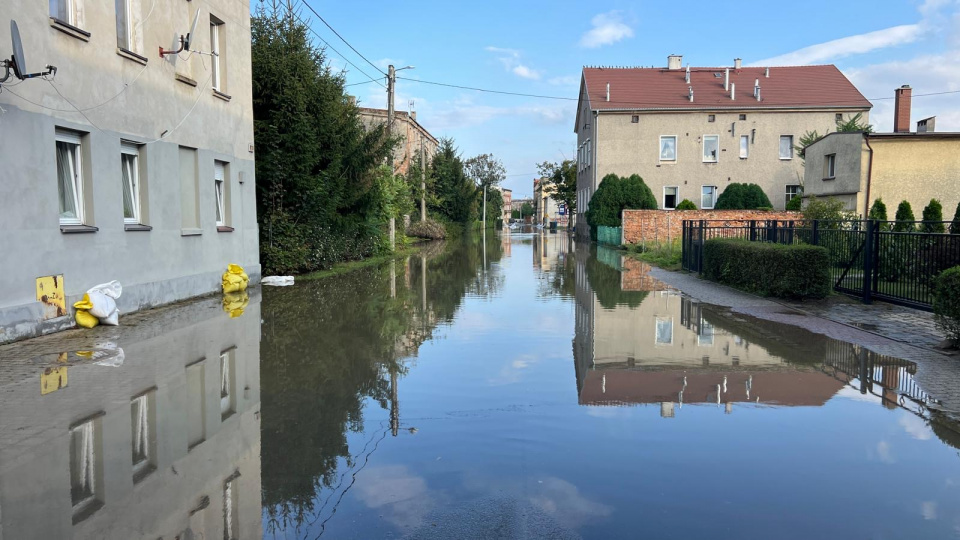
(933, 217)
(878, 210)
(955, 225)
(946, 303)
(427, 229)
(742, 197)
(904, 218)
(613, 196)
(686, 204)
(795, 204)
(828, 209)
(785, 271)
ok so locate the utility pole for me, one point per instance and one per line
(423, 184)
(391, 88)
(484, 207)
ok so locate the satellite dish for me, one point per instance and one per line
(187, 43)
(19, 63)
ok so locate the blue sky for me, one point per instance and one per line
(540, 47)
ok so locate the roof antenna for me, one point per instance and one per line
(17, 64)
(688, 74)
(185, 41)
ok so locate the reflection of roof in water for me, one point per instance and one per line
(788, 388)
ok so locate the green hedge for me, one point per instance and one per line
(785, 271)
(946, 303)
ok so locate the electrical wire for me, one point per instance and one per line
(74, 108)
(184, 119)
(304, 2)
(347, 60)
(361, 82)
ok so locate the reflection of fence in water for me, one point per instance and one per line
(894, 376)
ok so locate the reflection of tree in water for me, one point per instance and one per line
(604, 278)
(331, 344)
(561, 279)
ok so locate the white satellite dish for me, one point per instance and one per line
(185, 41)
(17, 64)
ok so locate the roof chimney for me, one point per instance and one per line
(766, 73)
(691, 94)
(352, 100)
(726, 79)
(687, 79)
(674, 61)
(736, 63)
(413, 115)
(608, 91)
(901, 114)
(733, 91)
(927, 125)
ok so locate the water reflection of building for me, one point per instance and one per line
(156, 436)
(549, 247)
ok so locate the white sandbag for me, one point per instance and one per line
(277, 281)
(103, 305)
(113, 289)
(111, 320)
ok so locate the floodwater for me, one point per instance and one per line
(512, 386)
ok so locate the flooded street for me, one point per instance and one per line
(518, 387)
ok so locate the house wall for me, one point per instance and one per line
(665, 226)
(586, 129)
(626, 148)
(916, 170)
(140, 101)
(408, 151)
(35, 469)
(850, 169)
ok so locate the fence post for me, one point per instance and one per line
(703, 227)
(753, 230)
(816, 232)
(868, 262)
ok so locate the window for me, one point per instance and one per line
(189, 192)
(708, 197)
(64, 11)
(85, 465)
(743, 117)
(793, 191)
(705, 335)
(142, 424)
(196, 405)
(744, 146)
(589, 154)
(216, 49)
(711, 148)
(69, 178)
(231, 518)
(829, 166)
(218, 183)
(711, 118)
(839, 117)
(123, 24)
(670, 197)
(635, 119)
(664, 334)
(130, 175)
(228, 385)
(668, 148)
(786, 147)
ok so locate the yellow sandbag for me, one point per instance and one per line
(84, 304)
(235, 303)
(85, 319)
(235, 279)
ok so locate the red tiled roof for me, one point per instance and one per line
(660, 88)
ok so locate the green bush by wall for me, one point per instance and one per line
(613, 196)
(784, 271)
(742, 197)
(946, 303)
(686, 204)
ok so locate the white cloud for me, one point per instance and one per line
(608, 28)
(847, 46)
(915, 426)
(928, 509)
(510, 58)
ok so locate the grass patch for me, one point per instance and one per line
(345, 267)
(666, 256)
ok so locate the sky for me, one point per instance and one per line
(534, 47)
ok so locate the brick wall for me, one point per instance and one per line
(663, 226)
(636, 276)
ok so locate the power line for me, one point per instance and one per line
(489, 91)
(361, 82)
(304, 2)
(325, 42)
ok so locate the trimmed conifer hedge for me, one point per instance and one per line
(784, 271)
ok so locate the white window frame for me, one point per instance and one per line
(67, 7)
(660, 149)
(219, 187)
(780, 147)
(676, 197)
(227, 386)
(123, 18)
(829, 166)
(656, 330)
(215, 75)
(128, 149)
(704, 149)
(589, 154)
(713, 197)
(77, 166)
(141, 434)
(87, 462)
(786, 192)
(744, 146)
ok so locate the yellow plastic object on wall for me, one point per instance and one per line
(53, 379)
(235, 279)
(85, 319)
(235, 303)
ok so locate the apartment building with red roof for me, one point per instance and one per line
(691, 131)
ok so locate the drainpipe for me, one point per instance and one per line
(866, 203)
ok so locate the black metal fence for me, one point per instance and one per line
(892, 261)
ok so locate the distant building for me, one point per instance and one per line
(507, 204)
(545, 208)
(859, 168)
(409, 129)
(689, 132)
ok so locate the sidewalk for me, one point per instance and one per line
(883, 328)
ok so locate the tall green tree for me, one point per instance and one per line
(562, 179)
(487, 172)
(613, 196)
(955, 224)
(738, 196)
(455, 194)
(904, 218)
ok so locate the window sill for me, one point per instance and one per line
(69, 29)
(74, 229)
(709, 162)
(191, 232)
(221, 95)
(224, 228)
(136, 227)
(130, 55)
(829, 178)
(786, 159)
(186, 80)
